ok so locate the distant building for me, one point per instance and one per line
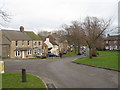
(112, 42)
(52, 46)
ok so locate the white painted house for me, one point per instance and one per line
(53, 45)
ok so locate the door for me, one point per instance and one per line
(23, 54)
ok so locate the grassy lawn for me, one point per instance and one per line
(52, 57)
(70, 54)
(107, 59)
(34, 58)
(13, 80)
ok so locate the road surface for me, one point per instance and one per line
(65, 74)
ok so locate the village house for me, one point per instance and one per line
(36, 42)
(16, 44)
(21, 44)
(52, 46)
(112, 42)
(63, 47)
(39, 47)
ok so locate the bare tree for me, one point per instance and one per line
(93, 28)
(59, 35)
(74, 35)
(44, 33)
(4, 16)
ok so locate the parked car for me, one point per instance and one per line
(64, 52)
(52, 55)
(41, 56)
(118, 49)
(80, 53)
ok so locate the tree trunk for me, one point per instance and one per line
(75, 49)
(90, 53)
(94, 52)
(78, 48)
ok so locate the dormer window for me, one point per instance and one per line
(16, 43)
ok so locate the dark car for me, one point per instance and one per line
(80, 53)
(64, 52)
(52, 55)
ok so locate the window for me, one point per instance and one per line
(35, 51)
(115, 47)
(35, 43)
(22, 43)
(17, 53)
(16, 43)
(107, 42)
(29, 52)
(28, 43)
(39, 52)
(115, 42)
(39, 43)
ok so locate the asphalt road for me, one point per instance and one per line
(64, 74)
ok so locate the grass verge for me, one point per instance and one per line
(13, 80)
(107, 59)
(70, 54)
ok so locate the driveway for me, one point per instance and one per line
(64, 74)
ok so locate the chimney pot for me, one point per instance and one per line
(21, 28)
(108, 35)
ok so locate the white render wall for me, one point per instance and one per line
(55, 48)
(47, 42)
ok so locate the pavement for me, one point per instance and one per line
(62, 73)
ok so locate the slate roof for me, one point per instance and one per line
(52, 39)
(115, 37)
(53, 42)
(3, 39)
(32, 35)
(15, 35)
(41, 37)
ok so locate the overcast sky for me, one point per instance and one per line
(52, 14)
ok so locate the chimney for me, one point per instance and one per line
(47, 39)
(21, 28)
(108, 35)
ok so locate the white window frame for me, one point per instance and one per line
(39, 52)
(29, 52)
(18, 53)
